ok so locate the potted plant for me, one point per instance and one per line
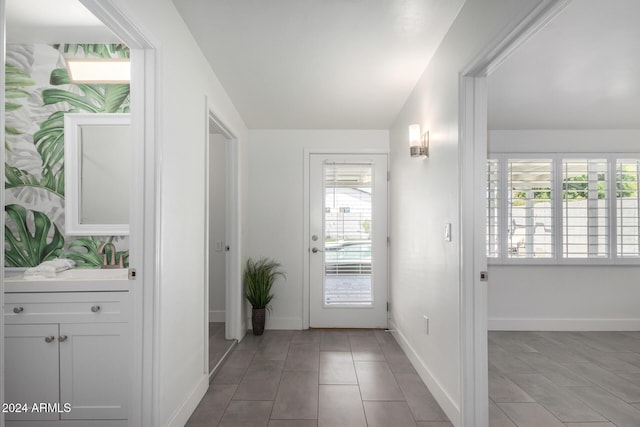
(259, 277)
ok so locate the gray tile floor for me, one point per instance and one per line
(355, 377)
(564, 379)
(318, 378)
(218, 346)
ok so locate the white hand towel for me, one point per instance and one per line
(48, 269)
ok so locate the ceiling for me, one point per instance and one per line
(54, 21)
(318, 64)
(582, 71)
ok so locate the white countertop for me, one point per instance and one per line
(75, 280)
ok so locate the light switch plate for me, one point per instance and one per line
(447, 232)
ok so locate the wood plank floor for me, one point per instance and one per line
(318, 378)
(572, 379)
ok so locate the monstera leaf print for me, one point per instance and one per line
(84, 251)
(94, 98)
(38, 94)
(27, 248)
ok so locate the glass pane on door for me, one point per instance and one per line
(348, 227)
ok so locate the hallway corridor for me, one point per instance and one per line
(318, 378)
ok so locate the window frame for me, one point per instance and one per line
(557, 257)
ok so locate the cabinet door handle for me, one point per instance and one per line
(62, 338)
(50, 338)
(18, 310)
(95, 308)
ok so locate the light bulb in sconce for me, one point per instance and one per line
(418, 142)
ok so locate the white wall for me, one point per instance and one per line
(567, 140)
(184, 79)
(564, 297)
(424, 193)
(217, 226)
(275, 171)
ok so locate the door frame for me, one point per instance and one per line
(472, 157)
(2, 198)
(306, 244)
(143, 246)
(233, 282)
(145, 220)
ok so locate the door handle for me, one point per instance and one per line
(316, 250)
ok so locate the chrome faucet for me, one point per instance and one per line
(112, 261)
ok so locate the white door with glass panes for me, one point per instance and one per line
(348, 240)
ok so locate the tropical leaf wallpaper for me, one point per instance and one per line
(38, 95)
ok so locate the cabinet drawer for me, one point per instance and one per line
(66, 307)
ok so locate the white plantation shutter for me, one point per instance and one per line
(530, 208)
(627, 207)
(585, 208)
(563, 208)
(493, 208)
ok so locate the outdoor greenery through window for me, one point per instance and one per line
(561, 208)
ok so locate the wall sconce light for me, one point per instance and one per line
(418, 142)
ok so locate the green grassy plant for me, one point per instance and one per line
(259, 277)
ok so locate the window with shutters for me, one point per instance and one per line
(585, 208)
(555, 208)
(493, 208)
(530, 208)
(627, 207)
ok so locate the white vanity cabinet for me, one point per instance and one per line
(68, 348)
(31, 369)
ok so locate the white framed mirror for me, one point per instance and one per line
(97, 162)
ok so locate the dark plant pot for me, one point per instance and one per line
(258, 316)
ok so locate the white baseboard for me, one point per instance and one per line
(444, 400)
(503, 324)
(217, 316)
(278, 322)
(182, 414)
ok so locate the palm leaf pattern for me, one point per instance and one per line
(93, 98)
(27, 248)
(15, 82)
(84, 251)
(114, 50)
(30, 239)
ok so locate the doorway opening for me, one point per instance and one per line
(141, 247)
(219, 243)
(473, 199)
